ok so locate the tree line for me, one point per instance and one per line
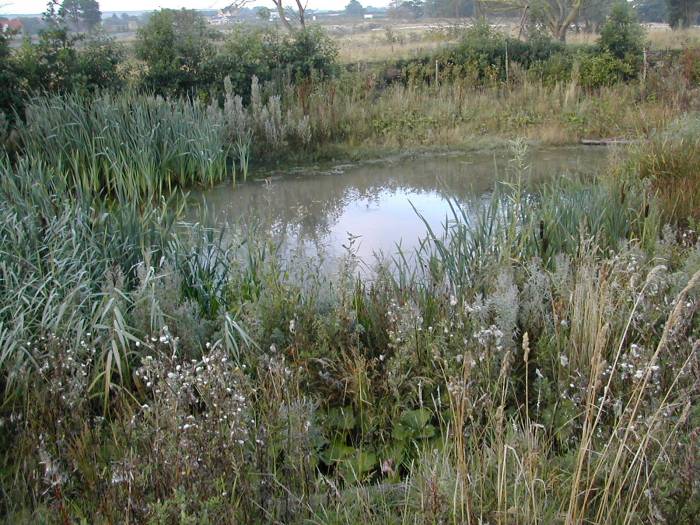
(558, 16)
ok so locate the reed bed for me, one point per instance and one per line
(126, 145)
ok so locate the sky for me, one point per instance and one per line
(38, 6)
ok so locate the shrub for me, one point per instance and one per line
(603, 69)
(307, 52)
(9, 81)
(50, 65)
(98, 64)
(176, 46)
(622, 36)
(244, 54)
(690, 62)
(57, 63)
(483, 51)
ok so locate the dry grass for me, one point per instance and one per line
(392, 42)
(411, 41)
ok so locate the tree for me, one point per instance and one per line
(80, 15)
(450, 8)
(263, 13)
(651, 10)
(410, 9)
(557, 16)
(354, 9)
(236, 6)
(51, 64)
(594, 14)
(682, 13)
(176, 46)
(301, 13)
(622, 36)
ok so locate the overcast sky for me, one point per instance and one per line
(38, 6)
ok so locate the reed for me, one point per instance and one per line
(127, 146)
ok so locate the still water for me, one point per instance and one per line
(316, 212)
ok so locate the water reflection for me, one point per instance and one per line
(315, 213)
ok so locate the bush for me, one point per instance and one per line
(9, 81)
(622, 36)
(243, 55)
(309, 51)
(482, 53)
(52, 64)
(57, 64)
(556, 69)
(98, 64)
(603, 69)
(177, 47)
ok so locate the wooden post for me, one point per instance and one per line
(437, 71)
(507, 66)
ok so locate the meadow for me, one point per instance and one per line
(538, 364)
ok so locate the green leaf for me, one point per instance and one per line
(358, 465)
(341, 418)
(338, 451)
(416, 419)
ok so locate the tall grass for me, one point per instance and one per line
(564, 216)
(73, 265)
(669, 164)
(128, 145)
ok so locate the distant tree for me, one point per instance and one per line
(682, 13)
(411, 8)
(557, 16)
(32, 25)
(263, 13)
(233, 7)
(594, 14)
(450, 8)
(80, 15)
(622, 36)
(300, 13)
(651, 10)
(354, 9)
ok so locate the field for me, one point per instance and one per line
(537, 360)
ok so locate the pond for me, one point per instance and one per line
(371, 206)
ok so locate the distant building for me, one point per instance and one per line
(369, 17)
(10, 26)
(222, 18)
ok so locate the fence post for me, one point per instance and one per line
(507, 65)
